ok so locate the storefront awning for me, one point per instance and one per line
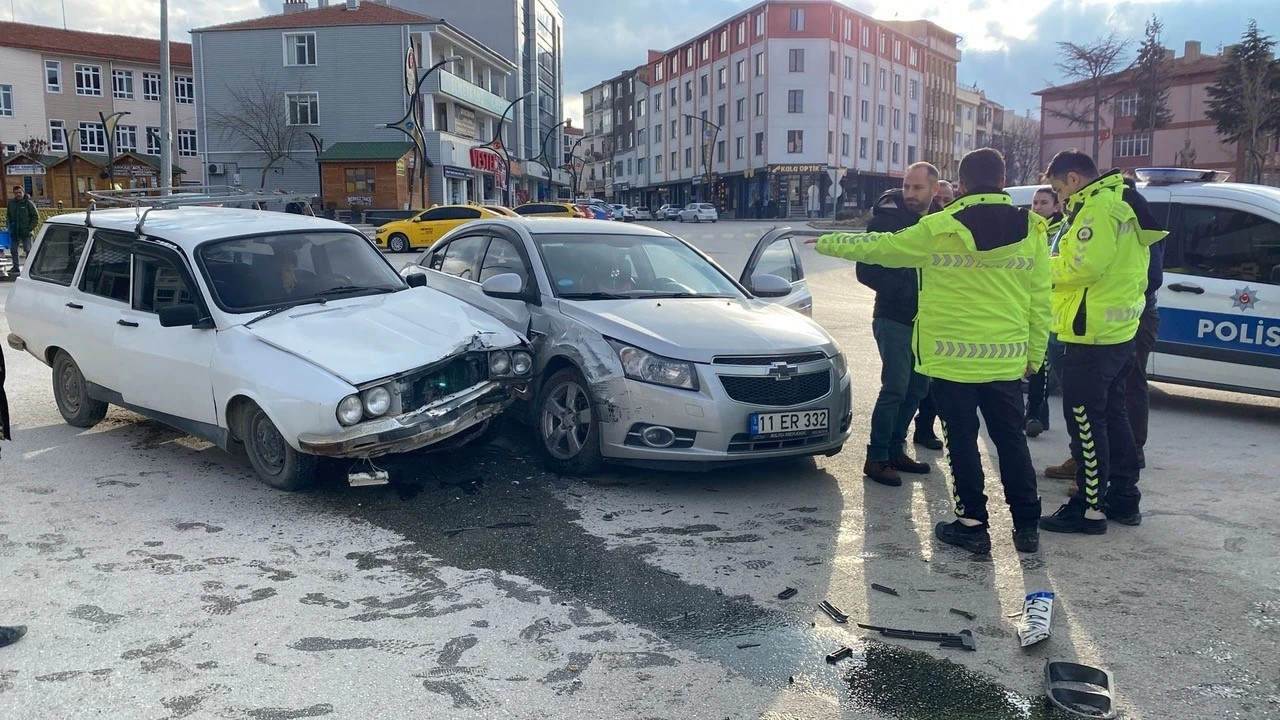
(389, 151)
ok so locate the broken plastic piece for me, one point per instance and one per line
(883, 589)
(826, 607)
(1095, 702)
(10, 634)
(963, 639)
(366, 478)
(963, 613)
(574, 668)
(839, 654)
(744, 646)
(1037, 614)
(787, 594)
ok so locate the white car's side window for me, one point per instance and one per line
(59, 254)
(158, 284)
(106, 272)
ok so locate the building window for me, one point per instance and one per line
(846, 106)
(153, 141)
(866, 36)
(675, 97)
(865, 111)
(186, 143)
(795, 141)
(884, 79)
(640, 107)
(895, 151)
(759, 104)
(6, 101)
(797, 19)
(911, 154)
(657, 163)
(706, 49)
(126, 138)
(359, 180)
(688, 57)
(722, 78)
(740, 71)
(740, 109)
(915, 58)
(866, 74)
(720, 151)
(848, 29)
(122, 84)
(657, 102)
(657, 71)
(57, 136)
(184, 90)
(831, 103)
(53, 76)
(675, 64)
(759, 24)
(912, 119)
(740, 148)
(674, 129)
(688, 90)
(657, 133)
(913, 89)
(795, 60)
(759, 64)
(882, 43)
(1127, 104)
(760, 144)
(897, 119)
(299, 49)
(742, 32)
(848, 68)
(795, 101)
(303, 108)
(89, 80)
(702, 85)
(879, 151)
(844, 144)
(688, 125)
(92, 138)
(831, 142)
(1133, 145)
(151, 87)
(674, 165)
(721, 110)
(880, 115)
(688, 158)
(897, 84)
(862, 148)
(897, 49)
(832, 63)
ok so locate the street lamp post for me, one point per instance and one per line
(410, 125)
(319, 145)
(707, 149)
(109, 123)
(574, 173)
(497, 144)
(166, 103)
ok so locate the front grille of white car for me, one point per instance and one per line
(421, 389)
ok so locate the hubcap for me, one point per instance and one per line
(268, 444)
(566, 421)
(70, 388)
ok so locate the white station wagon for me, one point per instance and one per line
(286, 335)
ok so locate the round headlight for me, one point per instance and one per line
(350, 410)
(521, 363)
(499, 363)
(377, 401)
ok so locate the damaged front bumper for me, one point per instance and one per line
(415, 430)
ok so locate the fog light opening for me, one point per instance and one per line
(658, 437)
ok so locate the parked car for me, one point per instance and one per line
(428, 226)
(698, 212)
(668, 212)
(288, 336)
(624, 213)
(1220, 302)
(549, 209)
(649, 353)
(643, 213)
(594, 212)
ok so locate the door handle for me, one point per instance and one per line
(1187, 287)
(127, 323)
(75, 306)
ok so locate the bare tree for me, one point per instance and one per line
(1020, 145)
(1092, 64)
(34, 146)
(258, 117)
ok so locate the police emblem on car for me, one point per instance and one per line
(1245, 299)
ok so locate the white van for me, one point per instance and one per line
(1220, 302)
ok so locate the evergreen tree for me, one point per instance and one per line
(1151, 80)
(1245, 100)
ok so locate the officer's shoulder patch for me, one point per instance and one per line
(1083, 234)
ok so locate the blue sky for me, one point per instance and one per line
(1009, 45)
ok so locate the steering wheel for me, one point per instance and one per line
(666, 284)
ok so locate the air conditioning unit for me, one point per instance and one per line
(217, 168)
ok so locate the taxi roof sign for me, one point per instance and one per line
(1170, 176)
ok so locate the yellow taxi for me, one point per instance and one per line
(428, 226)
(549, 209)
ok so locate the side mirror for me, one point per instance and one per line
(417, 218)
(179, 316)
(416, 280)
(507, 286)
(769, 286)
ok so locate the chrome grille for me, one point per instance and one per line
(770, 391)
(799, 359)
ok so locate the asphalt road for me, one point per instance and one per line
(160, 580)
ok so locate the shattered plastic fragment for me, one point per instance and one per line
(1037, 613)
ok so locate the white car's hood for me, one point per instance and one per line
(698, 329)
(370, 338)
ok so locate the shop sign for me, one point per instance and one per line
(400, 167)
(24, 169)
(464, 122)
(460, 89)
(482, 159)
(135, 170)
(359, 200)
(796, 169)
(457, 173)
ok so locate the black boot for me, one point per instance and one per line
(1070, 519)
(975, 539)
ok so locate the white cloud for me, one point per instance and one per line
(573, 108)
(140, 18)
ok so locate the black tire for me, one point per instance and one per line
(276, 463)
(398, 243)
(569, 447)
(72, 394)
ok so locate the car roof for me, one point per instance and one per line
(1210, 190)
(563, 225)
(188, 227)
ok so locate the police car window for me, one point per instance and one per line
(59, 254)
(1232, 244)
(106, 272)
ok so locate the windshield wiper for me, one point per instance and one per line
(689, 295)
(594, 296)
(354, 288)
(289, 306)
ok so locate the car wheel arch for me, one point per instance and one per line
(50, 353)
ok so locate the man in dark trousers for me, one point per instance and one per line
(901, 387)
(21, 219)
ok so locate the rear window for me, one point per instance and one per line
(59, 254)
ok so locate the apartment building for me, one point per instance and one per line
(57, 86)
(941, 58)
(966, 121)
(571, 152)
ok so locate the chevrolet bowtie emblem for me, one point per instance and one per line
(783, 371)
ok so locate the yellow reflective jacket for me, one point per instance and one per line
(984, 286)
(1100, 268)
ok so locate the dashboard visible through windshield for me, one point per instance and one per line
(602, 267)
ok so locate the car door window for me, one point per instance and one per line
(779, 258)
(467, 213)
(59, 254)
(436, 214)
(106, 272)
(1231, 244)
(460, 256)
(158, 284)
(501, 258)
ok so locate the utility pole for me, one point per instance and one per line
(166, 104)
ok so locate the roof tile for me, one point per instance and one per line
(91, 45)
(369, 13)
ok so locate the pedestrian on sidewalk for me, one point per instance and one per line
(982, 327)
(1100, 283)
(901, 386)
(21, 219)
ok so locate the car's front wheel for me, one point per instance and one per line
(275, 461)
(398, 243)
(71, 392)
(568, 425)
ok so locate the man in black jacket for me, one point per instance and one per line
(901, 387)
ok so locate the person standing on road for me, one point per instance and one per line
(1045, 204)
(901, 387)
(1099, 294)
(982, 327)
(1137, 398)
(21, 220)
(946, 194)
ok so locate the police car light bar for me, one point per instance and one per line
(1170, 176)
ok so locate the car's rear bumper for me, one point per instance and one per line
(417, 429)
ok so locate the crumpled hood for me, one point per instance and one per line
(698, 329)
(995, 227)
(370, 338)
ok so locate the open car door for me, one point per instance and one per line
(775, 254)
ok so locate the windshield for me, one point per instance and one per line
(267, 271)
(601, 267)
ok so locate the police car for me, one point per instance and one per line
(1220, 303)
